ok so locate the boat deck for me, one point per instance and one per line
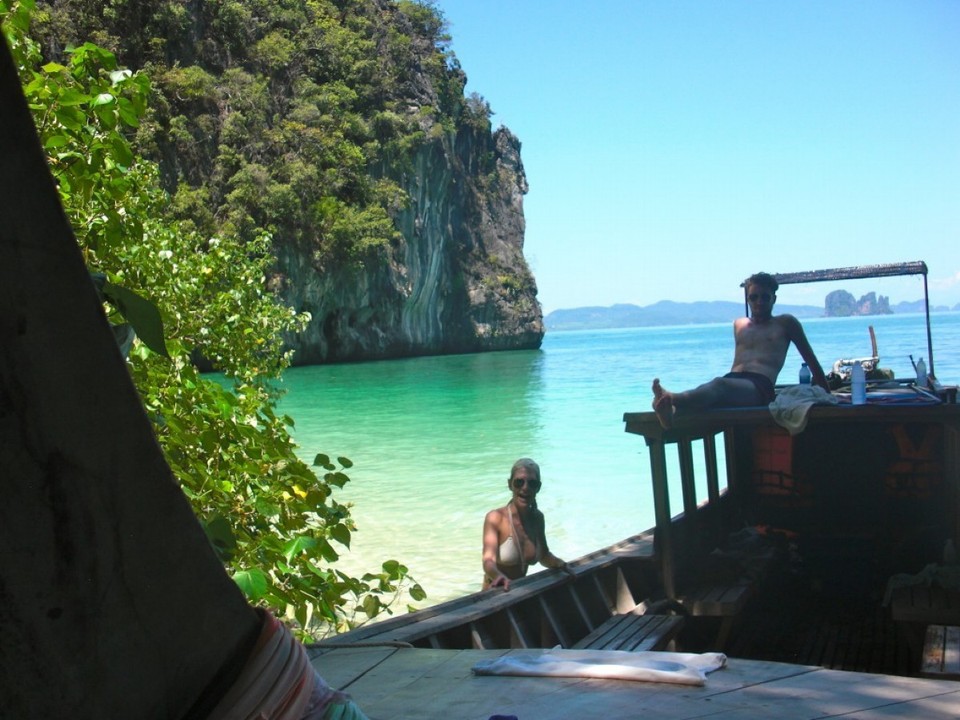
(423, 683)
(792, 622)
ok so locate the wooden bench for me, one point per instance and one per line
(916, 607)
(718, 600)
(633, 632)
(722, 601)
(927, 604)
(941, 652)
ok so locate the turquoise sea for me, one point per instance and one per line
(432, 439)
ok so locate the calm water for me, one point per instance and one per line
(433, 439)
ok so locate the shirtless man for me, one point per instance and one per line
(762, 341)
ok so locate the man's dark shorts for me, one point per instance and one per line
(765, 391)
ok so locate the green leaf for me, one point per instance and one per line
(106, 116)
(341, 533)
(300, 613)
(140, 313)
(70, 117)
(128, 113)
(122, 153)
(55, 141)
(372, 605)
(267, 509)
(252, 582)
(417, 592)
(327, 552)
(220, 534)
(336, 478)
(301, 544)
(72, 97)
(320, 572)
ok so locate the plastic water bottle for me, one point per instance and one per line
(949, 553)
(921, 373)
(858, 385)
(804, 374)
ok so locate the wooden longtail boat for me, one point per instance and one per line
(113, 605)
(822, 550)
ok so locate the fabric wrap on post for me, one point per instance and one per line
(279, 683)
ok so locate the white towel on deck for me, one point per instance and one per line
(668, 667)
(790, 407)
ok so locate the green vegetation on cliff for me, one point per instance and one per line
(270, 116)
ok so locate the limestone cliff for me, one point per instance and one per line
(309, 122)
(456, 282)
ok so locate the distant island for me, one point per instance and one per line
(666, 312)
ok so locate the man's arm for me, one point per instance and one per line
(799, 338)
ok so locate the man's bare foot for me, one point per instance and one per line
(664, 410)
(662, 404)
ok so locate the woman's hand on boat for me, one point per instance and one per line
(564, 567)
(500, 581)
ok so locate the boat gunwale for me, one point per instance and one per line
(436, 619)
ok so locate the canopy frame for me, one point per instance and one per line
(861, 272)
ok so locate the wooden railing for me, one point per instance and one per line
(857, 452)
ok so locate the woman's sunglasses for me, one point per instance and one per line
(761, 296)
(520, 483)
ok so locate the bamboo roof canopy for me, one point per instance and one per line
(861, 272)
(857, 272)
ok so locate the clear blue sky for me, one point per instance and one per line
(674, 147)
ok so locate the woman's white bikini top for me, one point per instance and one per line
(509, 553)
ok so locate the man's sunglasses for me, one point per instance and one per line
(761, 296)
(520, 483)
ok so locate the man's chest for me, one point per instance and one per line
(767, 335)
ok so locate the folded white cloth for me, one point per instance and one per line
(668, 667)
(790, 407)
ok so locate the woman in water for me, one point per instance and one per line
(514, 536)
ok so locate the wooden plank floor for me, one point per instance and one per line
(425, 684)
(841, 627)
